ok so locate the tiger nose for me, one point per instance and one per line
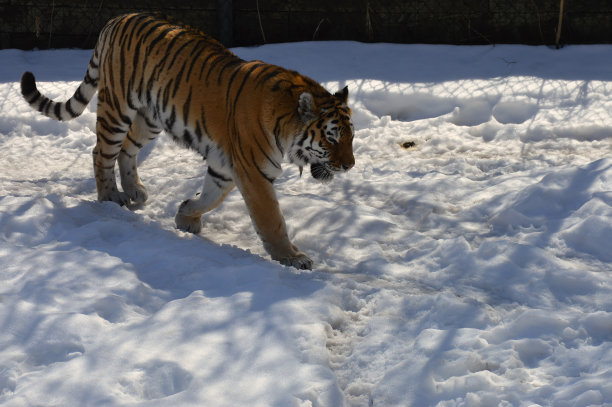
(349, 164)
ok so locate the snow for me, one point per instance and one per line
(473, 268)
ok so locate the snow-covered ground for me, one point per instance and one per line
(473, 268)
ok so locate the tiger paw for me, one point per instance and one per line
(120, 198)
(300, 261)
(192, 224)
(188, 223)
(137, 193)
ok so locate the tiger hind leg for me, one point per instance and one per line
(140, 134)
(216, 188)
(110, 133)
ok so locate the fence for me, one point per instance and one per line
(28, 24)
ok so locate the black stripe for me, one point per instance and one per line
(264, 152)
(279, 145)
(109, 156)
(107, 140)
(126, 25)
(303, 138)
(186, 107)
(174, 40)
(157, 102)
(138, 145)
(119, 123)
(218, 183)
(123, 151)
(265, 70)
(198, 131)
(179, 75)
(149, 123)
(89, 80)
(229, 85)
(230, 64)
(155, 73)
(195, 56)
(269, 75)
(43, 104)
(244, 80)
(160, 37)
(106, 126)
(178, 51)
(48, 107)
(167, 94)
(277, 85)
(270, 180)
(112, 119)
(114, 28)
(140, 87)
(115, 101)
(147, 24)
(187, 137)
(246, 76)
(105, 167)
(33, 99)
(69, 109)
(79, 97)
(128, 97)
(125, 119)
(171, 120)
(276, 130)
(215, 174)
(205, 63)
(238, 146)
(155, 26)
(203, 118)
(135, 61)
(58, 111)
(122, 63)
(136, 20)
(220, 59)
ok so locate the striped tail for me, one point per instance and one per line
(61, 111)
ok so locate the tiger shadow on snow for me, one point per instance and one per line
(171, 263)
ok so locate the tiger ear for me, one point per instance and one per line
(306, 107)
(342, 94)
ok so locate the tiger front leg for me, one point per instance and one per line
(269, 223)
(130, 181)
(216, 187)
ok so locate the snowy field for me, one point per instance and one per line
(466, 259)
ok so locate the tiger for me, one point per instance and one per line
(244, 117)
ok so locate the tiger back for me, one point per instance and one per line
(243, 117)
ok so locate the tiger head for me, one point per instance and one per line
(326, 141)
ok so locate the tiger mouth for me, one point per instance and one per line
(321, 172)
